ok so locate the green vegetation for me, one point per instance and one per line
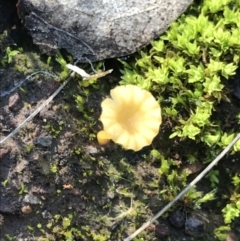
(10, 55)
(55, 129)
(171, 176)
(22, 189)
(231, 211)
(187, 69)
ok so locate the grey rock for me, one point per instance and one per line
(43, 141)
(98, 29)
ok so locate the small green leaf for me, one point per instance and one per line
(229, 70)
(192, 48)
(195, 74)
(66, 222)
(236, 147)
(222, 232)
(215, 66)
(158, 75)
(213, 176)
(176, 64)
(164, 167)
(213, 84)
(236, 180)
(158, 45)
(156, 154)
(208, 197)
(176, 133)
(226, 139)
(211, 138)
(203, 113)
(190, 131)
(230, 212)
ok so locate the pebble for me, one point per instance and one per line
(92, 150)
(178, 218)
(3, 152)
(30, 198)
(110, 194)
(43, 141)
(46, 214)
(26, 209)
(21, 165)
(194, 227)
(47, 114)
(1, 219)
(14, 102)
(162, 230)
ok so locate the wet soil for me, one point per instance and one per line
(58, 183)
(53, 169)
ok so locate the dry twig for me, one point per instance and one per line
(185, 190)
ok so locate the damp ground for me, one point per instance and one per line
(58, 183)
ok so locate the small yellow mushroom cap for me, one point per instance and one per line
(103, 137)
(132, 117)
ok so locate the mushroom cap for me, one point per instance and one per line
(132, 117)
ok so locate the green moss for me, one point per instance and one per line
(187, 69)
(187, 66)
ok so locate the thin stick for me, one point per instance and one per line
(84, 75)
(196, 180)
(2, 94)
(36, 111)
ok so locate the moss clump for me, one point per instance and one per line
(188, 69)
(188, 66)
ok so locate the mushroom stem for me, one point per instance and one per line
(103, 137)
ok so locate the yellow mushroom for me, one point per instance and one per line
(131, 118)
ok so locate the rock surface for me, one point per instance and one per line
(98, 29)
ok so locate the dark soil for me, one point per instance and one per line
(57, 183)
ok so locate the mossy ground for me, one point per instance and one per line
(89, 192)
